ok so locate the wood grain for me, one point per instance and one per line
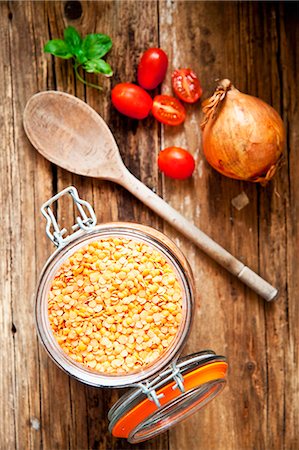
(255, 45)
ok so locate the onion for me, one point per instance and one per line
(243, 137)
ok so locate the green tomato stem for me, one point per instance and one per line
(78, 76)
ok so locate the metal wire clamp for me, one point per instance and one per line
(84, 222)
(149, 388)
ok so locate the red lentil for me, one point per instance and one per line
(115, 305)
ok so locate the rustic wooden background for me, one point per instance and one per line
(256, 46)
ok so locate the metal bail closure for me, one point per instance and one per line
(84, 222)
(151, 393)
(149, 388)
(178, 378)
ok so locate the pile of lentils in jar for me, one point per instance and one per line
(115, 305)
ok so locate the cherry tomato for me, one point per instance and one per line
(168, 110)
(186, 85)
(176, 162)
(131, 100)
(152, 68)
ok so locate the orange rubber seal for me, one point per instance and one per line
(193, 379)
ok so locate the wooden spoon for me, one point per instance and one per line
(69, 133)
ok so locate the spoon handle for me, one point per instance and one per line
(204, 242)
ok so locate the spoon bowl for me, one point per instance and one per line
(69, 133)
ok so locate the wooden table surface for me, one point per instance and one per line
(256, 46)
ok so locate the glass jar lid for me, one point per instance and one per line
(182, 389)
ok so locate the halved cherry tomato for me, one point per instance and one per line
(168, 110)
(176, 162)
(131, 100)
(186, 85)
(152, 68)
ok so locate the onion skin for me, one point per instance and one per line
(243, 137)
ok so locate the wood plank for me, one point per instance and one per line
(7, 370)
(20, 178)
(272, 226)
(288, 318)
(222, 302)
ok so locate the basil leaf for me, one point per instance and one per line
(80, 56)
(96, 45)
(73, 39)
(98, 66)
(58, 47)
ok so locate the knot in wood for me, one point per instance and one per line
(73, 9)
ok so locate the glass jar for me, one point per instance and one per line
(142, 413)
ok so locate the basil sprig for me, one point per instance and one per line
(86, 53)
